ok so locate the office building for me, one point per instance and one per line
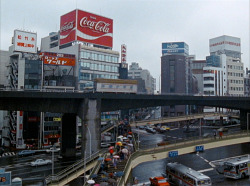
(136, 72)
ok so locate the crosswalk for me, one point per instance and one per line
(8, 154)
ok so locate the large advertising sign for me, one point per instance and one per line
(25, 41)
(225, 43)
(175, 48)
(86, 27)
(50, 58)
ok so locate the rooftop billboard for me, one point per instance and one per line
(25, 41)
(225, 43)
(50, 58)
(86, 27)
(175, 48)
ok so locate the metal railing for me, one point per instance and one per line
(73, 168)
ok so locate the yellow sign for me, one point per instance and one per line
(56, 119)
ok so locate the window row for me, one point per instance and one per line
(88, 76)
(235, 74)
(100, 67)
(236, 88)
(99, 57)
(235, 67)
(236, 81)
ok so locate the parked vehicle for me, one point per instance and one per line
(159, 181)
(40, 162)
(53, 149)
(151, 130)
(26, 153)
(105, 145)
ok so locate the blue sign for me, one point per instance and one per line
(172, 154)
(5, 178)
(175, 48)
(199, 148)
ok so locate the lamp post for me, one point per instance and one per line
(90, 149)
(248, 123)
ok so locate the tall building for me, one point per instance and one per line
(247, 83)
(228, 48)
(197, 71)
(136, 72)
(176, 74)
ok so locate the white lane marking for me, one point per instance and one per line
(210, 163)
(206, 170)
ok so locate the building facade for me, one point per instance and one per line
(136, 72)
(228, 48)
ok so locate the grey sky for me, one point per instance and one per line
(140, 24)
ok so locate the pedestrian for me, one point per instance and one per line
(111, 151)
(214, 134)
(220, 134)
(115, 163)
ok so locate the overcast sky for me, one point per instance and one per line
(140, 24)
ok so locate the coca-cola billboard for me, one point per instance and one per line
(86, 27)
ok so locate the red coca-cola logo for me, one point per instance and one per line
(99, 26)
(67, 26)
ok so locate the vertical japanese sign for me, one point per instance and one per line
(19, 134)
(123, 53)
(25, 41)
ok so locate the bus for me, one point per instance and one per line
(185, 176)
(236, 168)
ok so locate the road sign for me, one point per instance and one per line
(199, 148)
(172, 154)
(5, 178)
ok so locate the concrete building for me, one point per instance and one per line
(176, 74)
(247, 83)
(197, 71)
(136, 72)
(228, 48)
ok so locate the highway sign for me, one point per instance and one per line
(172, 154)
(199, 148)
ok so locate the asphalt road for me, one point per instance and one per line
(200, 162)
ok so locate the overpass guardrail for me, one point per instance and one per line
(57, 178)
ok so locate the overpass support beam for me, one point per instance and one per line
(68, 146)
(243, 119)
(90, 114)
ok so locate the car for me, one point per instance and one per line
(166, 128)
(159, 181)
(53, 149)
(141, 127)
(26, 153)
(151, 130)
(105, 145)
(40, 162)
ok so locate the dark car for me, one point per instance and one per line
(26, 152)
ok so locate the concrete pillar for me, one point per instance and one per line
(90, 114)
(243, 119)
(68, 145)
(221, 121)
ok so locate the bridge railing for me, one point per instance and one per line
(73, 168)
(176, 145)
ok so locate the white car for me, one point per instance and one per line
(40, 162)
(53, 149)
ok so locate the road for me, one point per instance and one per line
(199, 162)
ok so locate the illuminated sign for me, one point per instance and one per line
(25, 41)
(83, 26)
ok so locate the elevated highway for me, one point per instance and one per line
(88, 106)
(176, 119)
